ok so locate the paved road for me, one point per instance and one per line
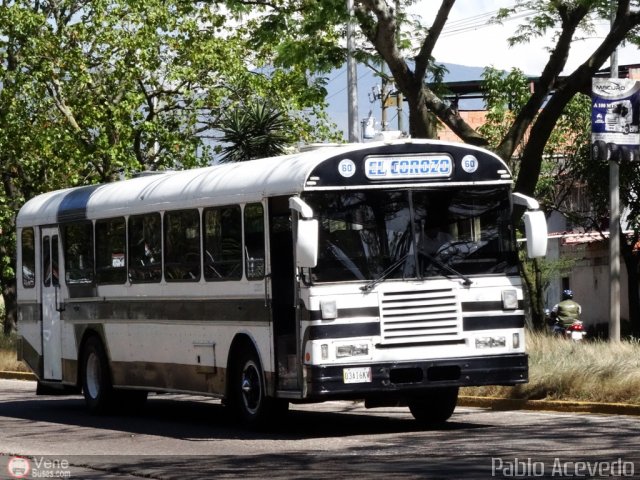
(183, 437)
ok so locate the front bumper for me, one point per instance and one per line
(325, 382)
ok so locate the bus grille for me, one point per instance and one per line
(420, 316)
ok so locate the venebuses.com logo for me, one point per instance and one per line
(38, 467)
(19, 467)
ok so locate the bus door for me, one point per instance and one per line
(283, 311)
(51, 329)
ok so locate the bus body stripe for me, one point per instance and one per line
(486, 306)
(321, 332)
(157, 309)
(492, 322)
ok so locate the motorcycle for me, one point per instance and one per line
(574, 332)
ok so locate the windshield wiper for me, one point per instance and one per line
(466, 280)
(383, 276)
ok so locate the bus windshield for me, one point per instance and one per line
(370, 235)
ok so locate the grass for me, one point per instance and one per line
(8, 356)
(593, 371)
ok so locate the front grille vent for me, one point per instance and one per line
(420, 316)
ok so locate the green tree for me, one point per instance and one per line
(91, 90)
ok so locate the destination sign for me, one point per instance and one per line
(419, 166)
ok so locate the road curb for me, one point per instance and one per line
(503, 404)
(17, 376)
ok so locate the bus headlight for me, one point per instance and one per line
(509, 300)
(360, 349)
(491, 342)
(324, 351)
(329, 309)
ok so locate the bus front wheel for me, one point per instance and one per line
(435, 406)
(248, 393)
(96, 378)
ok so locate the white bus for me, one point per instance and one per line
(384, 271)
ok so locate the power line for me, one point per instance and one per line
(360, 77)
(476, 25)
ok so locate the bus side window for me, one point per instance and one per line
(28, 258)
(182, 246)
(111, 242)
(145, 248)
(254, 241)
(223, 243)
(78, 253)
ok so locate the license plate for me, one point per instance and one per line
(357, 375)
(577, 335)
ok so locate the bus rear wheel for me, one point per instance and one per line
(435, 406)
(96, 378)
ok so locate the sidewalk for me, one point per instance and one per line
(502, 404)
(17, 376)
(498, 404)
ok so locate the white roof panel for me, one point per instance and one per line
(249, 181)
(226, 183)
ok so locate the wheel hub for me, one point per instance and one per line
(251, 388)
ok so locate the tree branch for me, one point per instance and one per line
(53, 87)
(553, 68)
(422, 59)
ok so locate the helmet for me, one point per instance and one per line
(567, 294)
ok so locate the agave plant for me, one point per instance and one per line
(253, 131)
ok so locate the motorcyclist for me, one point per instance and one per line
(568, 310)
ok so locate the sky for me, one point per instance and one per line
(469, 39)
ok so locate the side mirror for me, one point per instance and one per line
(307, 243)
(535, 226)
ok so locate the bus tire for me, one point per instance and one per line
(96, 377)
(248, 396)
(435, 406)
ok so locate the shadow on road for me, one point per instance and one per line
(330, 441)
(187, 418)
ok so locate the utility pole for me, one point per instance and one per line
(399, 98)
(384, 99)
(352, 81)
(614, 220)
(381, 93)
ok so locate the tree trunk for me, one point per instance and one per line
(535, 287)
(420, 122)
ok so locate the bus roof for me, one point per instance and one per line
(248, 181)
